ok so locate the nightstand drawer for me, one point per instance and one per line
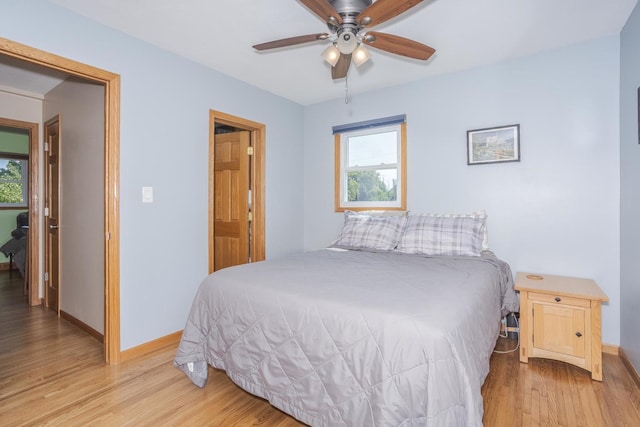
(559, 299)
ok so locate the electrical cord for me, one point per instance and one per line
(506, 334)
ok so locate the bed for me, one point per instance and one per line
(355, 336)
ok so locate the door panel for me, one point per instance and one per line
(231, 207)
(554, 329)
(52, 214)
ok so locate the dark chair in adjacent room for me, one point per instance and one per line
(15, 248)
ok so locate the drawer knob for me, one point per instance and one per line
(578, 334)
(558, 299)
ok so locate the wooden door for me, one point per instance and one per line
(231, 199)
(52, 214)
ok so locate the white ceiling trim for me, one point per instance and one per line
(20, 92)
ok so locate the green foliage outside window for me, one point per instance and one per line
(11, 182)
(369, 186)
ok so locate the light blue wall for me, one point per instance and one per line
(164, 124)
(556, 212)
(630, 189)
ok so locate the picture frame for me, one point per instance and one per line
(493, 145)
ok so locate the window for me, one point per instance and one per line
(13, 181)
(370, 162)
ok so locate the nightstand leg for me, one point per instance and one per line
(596, 341)
(525, 335)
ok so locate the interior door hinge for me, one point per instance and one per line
(250, 216)
(46, 211)
(250, 151)
(46, 147)
(46, 276)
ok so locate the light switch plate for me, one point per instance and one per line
(147, 194)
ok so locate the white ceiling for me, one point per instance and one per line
(27, 79)
(465, 34)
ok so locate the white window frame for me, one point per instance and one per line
(24, 182)
(342, 169)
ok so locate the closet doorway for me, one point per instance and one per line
(236, 191)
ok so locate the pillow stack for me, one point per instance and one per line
(422, 234)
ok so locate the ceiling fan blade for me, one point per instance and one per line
(398, 45)
(383, 10)
(291, 41)
(342, 67)
(323, 9)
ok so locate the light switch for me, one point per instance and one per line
(147, 194)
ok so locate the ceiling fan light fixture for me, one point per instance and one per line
(361, 55)
(331, 54)
(347, 42)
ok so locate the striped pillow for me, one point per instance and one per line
(455, 235)
(370, 231)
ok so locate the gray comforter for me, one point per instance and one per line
(354, 338)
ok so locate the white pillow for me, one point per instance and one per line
(370, 231)
(432, 234)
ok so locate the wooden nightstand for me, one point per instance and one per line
(560, 319)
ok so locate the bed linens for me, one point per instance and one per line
(354, 338)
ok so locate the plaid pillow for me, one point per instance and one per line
(365, 231)
(443, 235)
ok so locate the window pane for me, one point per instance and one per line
(10, 193)
(11, 181)
(372, 185)
(374, 149)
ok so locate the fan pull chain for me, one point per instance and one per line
(346, 89)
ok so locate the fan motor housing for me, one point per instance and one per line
(347, 7)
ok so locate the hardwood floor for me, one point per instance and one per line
(53, 373)
(551, 393)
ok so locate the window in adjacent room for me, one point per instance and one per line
(370, 162)
(13, 181)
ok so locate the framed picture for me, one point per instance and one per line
(493, 145)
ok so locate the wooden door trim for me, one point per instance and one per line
(32, 205)
(111, 83)
(258, 138)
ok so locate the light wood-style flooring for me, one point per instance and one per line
(52, 373)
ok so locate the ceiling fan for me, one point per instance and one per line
(348, 22)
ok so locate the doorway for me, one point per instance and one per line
(111, 83)
(236, 191)
(30, 263)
